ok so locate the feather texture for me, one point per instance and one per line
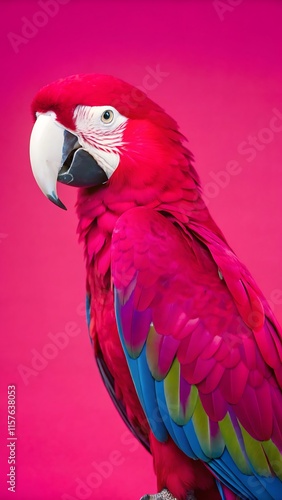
(186, 345)
(215, 380)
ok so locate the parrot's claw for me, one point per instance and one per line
(163, 495)
(166, 495)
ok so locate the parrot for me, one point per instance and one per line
(186, 344)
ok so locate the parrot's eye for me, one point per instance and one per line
(107, 116)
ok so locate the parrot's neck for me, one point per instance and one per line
(99, 209)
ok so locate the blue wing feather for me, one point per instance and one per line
(143, 381)
(175, 431)
(146, 288)
(152, 397)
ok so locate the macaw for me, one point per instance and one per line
(185, 342)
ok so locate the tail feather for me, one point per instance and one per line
(225, 493)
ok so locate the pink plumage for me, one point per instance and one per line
(190, 317)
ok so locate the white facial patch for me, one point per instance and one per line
(101, 139)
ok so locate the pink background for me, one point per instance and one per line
(223, 80)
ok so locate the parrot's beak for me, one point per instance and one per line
(55, 154)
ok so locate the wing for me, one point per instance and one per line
(204, 357)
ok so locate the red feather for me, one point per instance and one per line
(168, 255)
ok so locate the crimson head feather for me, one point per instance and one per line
(89, 127)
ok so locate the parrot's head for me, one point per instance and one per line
(92, 130)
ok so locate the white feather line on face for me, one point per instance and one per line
(102, 140)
